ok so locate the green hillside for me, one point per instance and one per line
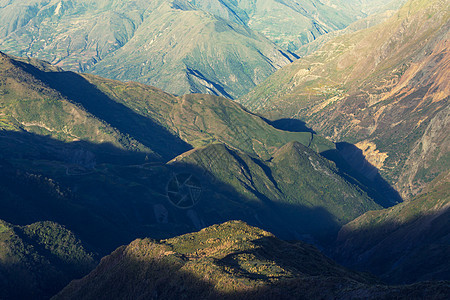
(301, 191)
(231, 261)
(91, 154)
(383, 89)
(38, 260)
(130, 116)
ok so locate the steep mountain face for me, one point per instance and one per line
(384, 89)
(406, 243)
(231, 261)
(163, 43)
(38, 260)
(104, 142)
(301, 190)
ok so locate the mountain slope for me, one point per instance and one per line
(230, 261)
(37, 260)
(406, 243)
(105, 142)
(297, 188)
(292, 23)
(175, 47)
(359, 88)
(130, 116)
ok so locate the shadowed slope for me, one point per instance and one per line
(37, 260)
(406, 243)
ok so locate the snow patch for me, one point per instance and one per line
(58, 8)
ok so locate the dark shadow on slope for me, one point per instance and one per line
(114, 202)
(292, 125)
(77, 89)
(40, 273)
(143, 276)
(221, 202)
(400, 253)
(351, 163)
(217, 89)
(354, 167)
(122, 197)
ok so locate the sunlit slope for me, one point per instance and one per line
(164, 43)
(134, 117)
(384, 88)
(231, 261)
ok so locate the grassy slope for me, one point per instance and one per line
(203, 119)
(28, 103)
(230, 261)
(297, 186)
(359, 87)
(131, 116)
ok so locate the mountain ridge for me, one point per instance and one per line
(231, 261)
(359, 87)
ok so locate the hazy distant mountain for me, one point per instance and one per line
(293, 23)
(175, 47)
(384, 89)
(216, 47)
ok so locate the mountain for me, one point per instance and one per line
(406, 243)
(383, 89)
(38, 260)
(231, 261)
(102, 142)
(164, 43)
(301, 190)
(71, 107)
(112, 162)
(293, 23)
(217, 47)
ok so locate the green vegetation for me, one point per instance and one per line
(230, 261)
(90, 154)
(297, 191)
(38, 260)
